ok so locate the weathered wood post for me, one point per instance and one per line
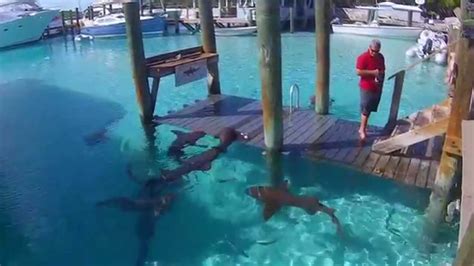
(137, 58)
(63, 23)
(396, 97)
(269, 45)
(450, 162)
(78, 21)
(71, 21)
(209, 45)
(292, 20)
(322, 9)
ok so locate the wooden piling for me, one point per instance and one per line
(63, 23)
(269, 45)
(78, 21)
(450, 163)
(292, 20)
(71, 21)
(322, 9)
(137, 58)
(209, 45)
(274, 164)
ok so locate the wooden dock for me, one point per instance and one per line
(312, 136)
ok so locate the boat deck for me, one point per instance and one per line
(318, 137)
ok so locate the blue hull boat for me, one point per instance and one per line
(114, 26)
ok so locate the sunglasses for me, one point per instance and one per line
(374, 51)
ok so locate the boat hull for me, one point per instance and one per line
(155, 25)
(410, 33)
(240, 31)
(25, 29)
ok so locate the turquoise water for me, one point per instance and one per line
(55, 93)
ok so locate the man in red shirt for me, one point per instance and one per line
(371, 69)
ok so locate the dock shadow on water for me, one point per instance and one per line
(60, 155)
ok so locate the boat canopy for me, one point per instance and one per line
(391, 6)
(18, 2)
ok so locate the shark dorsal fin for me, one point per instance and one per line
(177, 132)
(270, 209)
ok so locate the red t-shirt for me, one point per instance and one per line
(367, 62)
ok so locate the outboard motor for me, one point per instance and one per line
(428, 47)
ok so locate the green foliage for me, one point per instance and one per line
(444, 3)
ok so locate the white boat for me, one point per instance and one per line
(22, 22)
(238, 31)
(373, 27)
(113, 25)
(399, 32)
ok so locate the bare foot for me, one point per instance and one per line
(362, 135)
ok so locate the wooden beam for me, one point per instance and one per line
(269, 47)
(411, 137)
(209, 44)
(322, 9)
(137, 58)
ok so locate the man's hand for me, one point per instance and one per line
(375, 72)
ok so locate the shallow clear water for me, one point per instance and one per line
(55, 93)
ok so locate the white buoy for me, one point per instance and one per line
(411, 52)
(441, 59)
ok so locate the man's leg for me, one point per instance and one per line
(364, 118)
(365, 113)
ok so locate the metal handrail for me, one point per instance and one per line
(294, 92)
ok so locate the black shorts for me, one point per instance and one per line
(369, 101)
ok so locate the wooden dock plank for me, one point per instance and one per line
(314, 120)
(422, 176)
(350, 144)
(432, 174)
(412, 137)
(381, 165)
(402, 169)
(370, 163)
(340, 140)
(391, 167)
(412, 172)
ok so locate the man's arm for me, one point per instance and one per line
(363, 72)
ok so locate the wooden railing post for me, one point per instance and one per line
(269, 48)
(209, 44)
(137, 58)
(396, 97)
(322, 9)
